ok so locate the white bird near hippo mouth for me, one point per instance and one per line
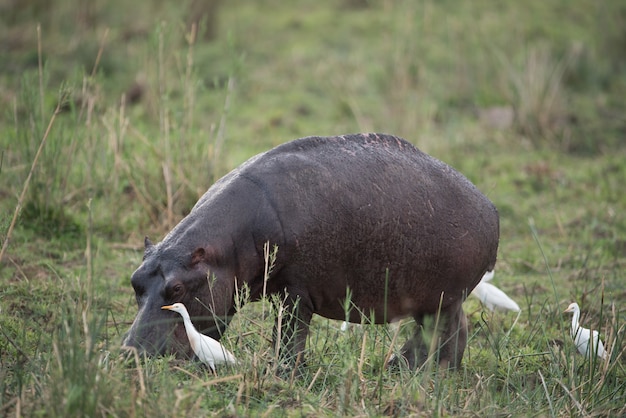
(208, 350)
(492, 297)
(583, 336)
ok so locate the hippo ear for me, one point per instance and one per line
(206, 255)
(148, 247)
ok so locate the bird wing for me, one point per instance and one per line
(216, 351)
(492, 297)
(587, 341)
(581, 339)
(487, 276)
(598, 347)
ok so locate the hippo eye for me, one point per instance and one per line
(173, 291)
(177, 290)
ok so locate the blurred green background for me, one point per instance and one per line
(149, 102)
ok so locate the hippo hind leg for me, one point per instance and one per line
(453, 337)
(449, 332)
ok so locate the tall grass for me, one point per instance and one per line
(538, 93)
(515, 368)
(189, 151)
(119, 163)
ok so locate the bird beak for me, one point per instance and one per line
(565, 311)
(168, 307)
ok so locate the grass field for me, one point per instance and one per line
(136, 114)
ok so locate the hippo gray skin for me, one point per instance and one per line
(405, 233)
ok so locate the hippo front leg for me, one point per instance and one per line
(414, 352)
(293, 317)
(451, 335)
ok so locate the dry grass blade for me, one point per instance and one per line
(20, 200)
(221, 131)
(222, 380)
(317, 373)
(581, 410)
(545, 388)
(15, 345)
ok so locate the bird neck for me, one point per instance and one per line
(575, 325)
(188, 324)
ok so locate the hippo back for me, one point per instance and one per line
(372, 213)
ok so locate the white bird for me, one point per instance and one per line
(208, 350)
(582, 336)
(487, 276)
(492, 297)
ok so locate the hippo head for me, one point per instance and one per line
(167, 276)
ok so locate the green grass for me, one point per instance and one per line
(149, 117)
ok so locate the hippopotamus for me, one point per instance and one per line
(364, 217)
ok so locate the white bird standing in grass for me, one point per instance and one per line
(582, 336)
(208, 350)
(492, 297)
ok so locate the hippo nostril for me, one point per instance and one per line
(143, 346)
(144, 351)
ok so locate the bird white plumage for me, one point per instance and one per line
(492, 297)
(208, 350)
(488, 276)
(583, 336)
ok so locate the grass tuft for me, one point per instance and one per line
(538, 94)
